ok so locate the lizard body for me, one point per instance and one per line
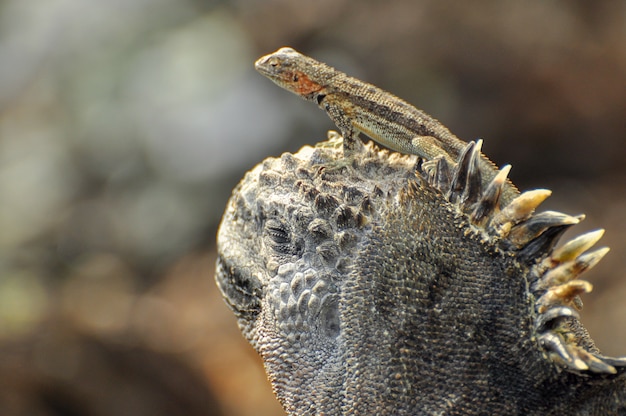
(356, 106)
(372, 282)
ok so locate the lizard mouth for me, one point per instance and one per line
(274, 69)
(262, 65)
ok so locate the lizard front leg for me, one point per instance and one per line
(343, 118)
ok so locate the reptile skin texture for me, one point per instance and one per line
(384, 284)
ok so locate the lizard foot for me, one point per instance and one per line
(351, 148)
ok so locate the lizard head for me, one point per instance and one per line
(384, 282)
(295, 72)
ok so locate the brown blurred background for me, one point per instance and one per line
(125, 124)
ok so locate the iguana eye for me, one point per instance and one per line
(277, 236)
(277, 232)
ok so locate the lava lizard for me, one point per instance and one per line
(356, 106)
(374, 282)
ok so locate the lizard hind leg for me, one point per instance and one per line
(428, 148)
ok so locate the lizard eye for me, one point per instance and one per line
(295, 77)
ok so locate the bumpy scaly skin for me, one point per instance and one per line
(382, 284)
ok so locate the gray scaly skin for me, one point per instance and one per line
(389, 285)
(372, 282)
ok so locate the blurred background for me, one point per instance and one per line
(125, 124)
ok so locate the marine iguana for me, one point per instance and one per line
(372, 282)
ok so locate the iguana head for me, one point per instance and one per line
(384, 284)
